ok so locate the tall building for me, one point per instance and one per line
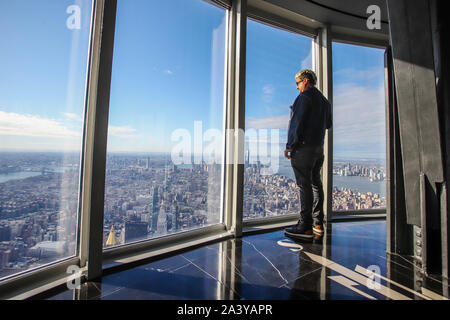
(135, 230)
(161, 228)
(155, 208)
(112, 240)
(5, 233)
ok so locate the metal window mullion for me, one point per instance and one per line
(239, 115)
(235, 117)
(324, 56)
(322, 66)
(229, 115)
(96, 131)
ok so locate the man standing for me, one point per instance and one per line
(310, 117)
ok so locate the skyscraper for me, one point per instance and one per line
(112, 240)
(135, 230)
(161, 227)
(155, 208)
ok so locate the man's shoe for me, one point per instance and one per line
(318, 230)
(299, 231)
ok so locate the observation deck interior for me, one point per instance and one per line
(205, 232)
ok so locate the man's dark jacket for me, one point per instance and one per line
(310, 117)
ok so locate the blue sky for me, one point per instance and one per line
(43, 70)
(168, 72)
(358, 102)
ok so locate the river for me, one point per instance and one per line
(356, 183)
(5, 177)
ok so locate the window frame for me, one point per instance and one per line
(219, 230)
(27, 283)
(283, 24)
(344, 215)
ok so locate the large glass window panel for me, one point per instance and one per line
(165, 139)
(43, 63)
(274, 56)
(359, 130)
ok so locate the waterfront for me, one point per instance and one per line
(5, 177)
(360, 184)
(355, 183)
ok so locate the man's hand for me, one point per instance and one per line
(287, 153)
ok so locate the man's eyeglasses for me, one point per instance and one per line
(297, 83)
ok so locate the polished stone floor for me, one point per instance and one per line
(349, 262)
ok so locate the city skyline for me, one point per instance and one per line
(138, 188)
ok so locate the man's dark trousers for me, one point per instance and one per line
(307, 162)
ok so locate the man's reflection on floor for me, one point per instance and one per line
(310, 284)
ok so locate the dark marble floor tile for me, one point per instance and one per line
(202, 252)
(64, 295)
(266, 262)
(166, 265)
(264, 292)
(92, 290)
(188, 282)
(308, 286)
(272, 266)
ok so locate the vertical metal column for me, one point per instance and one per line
(399, 234)
(235, 124)
(415, 83)
(325, 75)
(439, 31)
(390, 156)
(319, 68)
(322, 65)
(95, 137)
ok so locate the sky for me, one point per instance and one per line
(168, 77)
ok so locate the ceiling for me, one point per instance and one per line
(357, 8)
(344, 16)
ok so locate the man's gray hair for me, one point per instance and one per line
(307, 73)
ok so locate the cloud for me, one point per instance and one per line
(307, 62)
(268, 89)
(72, 116)
(15, 124)
(359, 119)
(168, 72)
(275, 122)
(360, 74)
(268, 93)
(122, 132)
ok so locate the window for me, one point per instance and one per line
(164, 167)
(359, 166)
(43, 60)
(274, 56)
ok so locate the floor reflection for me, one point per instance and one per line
(348, 262)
